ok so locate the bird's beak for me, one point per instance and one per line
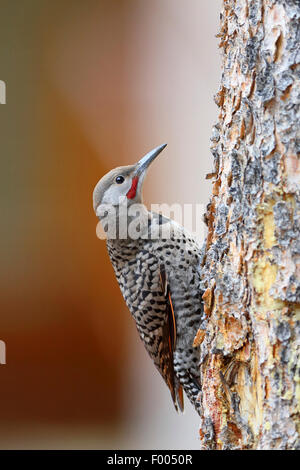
(144, 162)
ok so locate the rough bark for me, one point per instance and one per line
(251, 260)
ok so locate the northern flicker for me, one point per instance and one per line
(156, 264)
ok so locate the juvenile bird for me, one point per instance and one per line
(155, 261)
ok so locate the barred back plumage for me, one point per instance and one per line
(138, 265)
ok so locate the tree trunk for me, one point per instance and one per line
(249, 339)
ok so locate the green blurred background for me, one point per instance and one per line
(91, 85)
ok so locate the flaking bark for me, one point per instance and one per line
(249, 338)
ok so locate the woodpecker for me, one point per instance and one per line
(156, 265)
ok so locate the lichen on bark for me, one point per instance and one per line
(249, 364)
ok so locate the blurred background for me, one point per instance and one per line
(92, 85)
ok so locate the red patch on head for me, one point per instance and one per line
(132, 191)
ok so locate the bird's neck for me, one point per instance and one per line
(126, 222)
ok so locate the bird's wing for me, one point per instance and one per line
(168, 345)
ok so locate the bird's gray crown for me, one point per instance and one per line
(107, 180)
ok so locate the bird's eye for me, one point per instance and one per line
(120, 179)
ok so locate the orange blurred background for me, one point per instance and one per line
(92, 85)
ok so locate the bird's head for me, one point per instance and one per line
(123, 184)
